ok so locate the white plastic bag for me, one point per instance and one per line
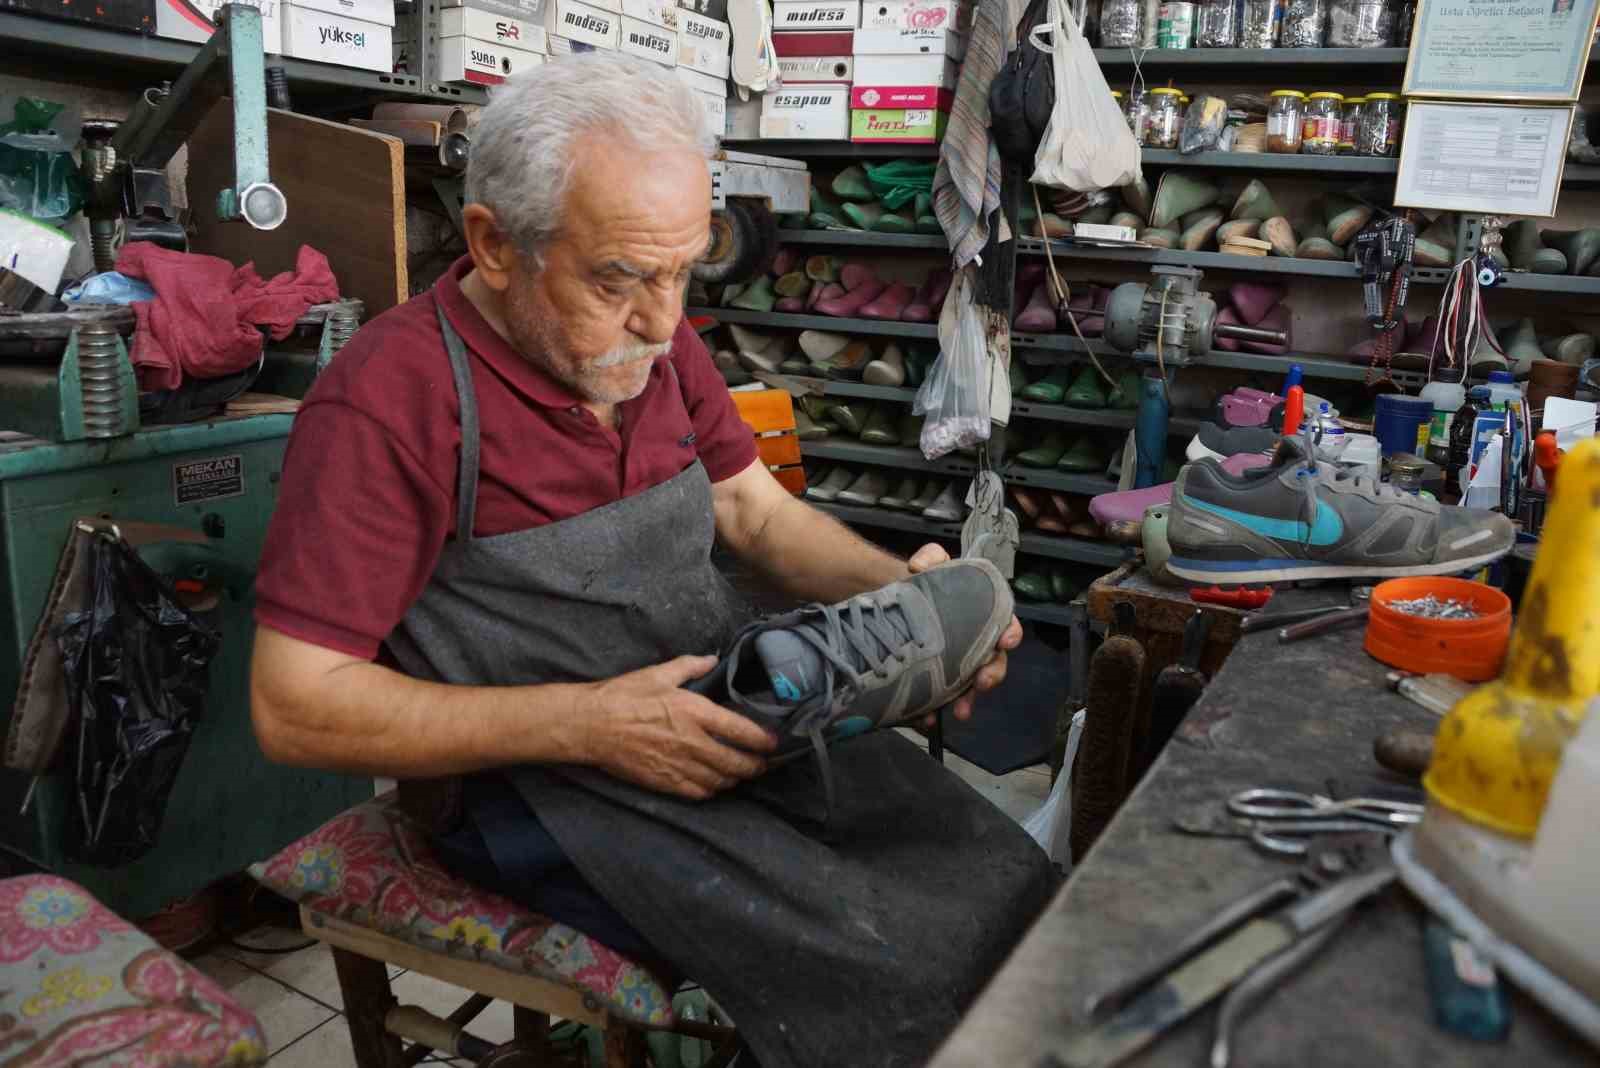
(1088, 144)
(1051, 824)
(955, 395)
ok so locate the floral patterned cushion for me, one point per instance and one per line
(79, 985)
(371, 866)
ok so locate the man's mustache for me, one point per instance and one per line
(631, 353)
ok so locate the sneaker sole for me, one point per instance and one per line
(1239, 573)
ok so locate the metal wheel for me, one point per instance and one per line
(744, 241)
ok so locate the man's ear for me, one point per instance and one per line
(493, 253)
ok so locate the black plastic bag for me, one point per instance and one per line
(136, 671)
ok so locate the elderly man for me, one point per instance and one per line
(491, 558)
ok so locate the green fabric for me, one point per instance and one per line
(900, 181)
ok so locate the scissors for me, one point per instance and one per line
(1269, 804)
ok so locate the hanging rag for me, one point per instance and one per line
(899, 182)
(203, 322)
(966, 187)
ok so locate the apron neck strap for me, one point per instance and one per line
(461, 372)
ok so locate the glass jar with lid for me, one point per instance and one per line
(1217, 25)
(1305, 24)
(1378, 133)
(1121, 23)
(1137, 112)
(1320, 130)
(1258, 25)
(1164, 118)
(1349, 122)
(1286, 116)
(1361, 23)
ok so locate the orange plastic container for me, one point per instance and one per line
(1469, 649)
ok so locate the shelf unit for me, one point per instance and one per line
(833, 149)
(1073, 550)
(818, 322)
(862, 239)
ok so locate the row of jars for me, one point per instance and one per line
(1255, 23)
(1319, 124)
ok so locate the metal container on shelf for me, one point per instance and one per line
(1121, 23)
(1322, 125)
(1164, 119)
(1379, 131)
(1258, 25)
(1175, 25)
(1349, 123)
(1305, 24)
(1286, 116)
(1217, 24)
(1361, 23)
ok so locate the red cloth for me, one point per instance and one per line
(368, 493)
(203, 322)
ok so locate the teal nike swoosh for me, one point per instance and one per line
(1327, 529)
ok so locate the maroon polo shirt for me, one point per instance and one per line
(368, 493)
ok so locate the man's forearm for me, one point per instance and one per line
(814, 556)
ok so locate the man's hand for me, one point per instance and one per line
(992, 672)
(643, 728)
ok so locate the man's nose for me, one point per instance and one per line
(656, 312)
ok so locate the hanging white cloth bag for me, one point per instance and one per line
(1088, 145)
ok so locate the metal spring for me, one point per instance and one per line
(100, 369)
(342, 325)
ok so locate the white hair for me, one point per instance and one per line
(522, 145)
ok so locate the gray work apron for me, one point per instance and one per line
(855, 938)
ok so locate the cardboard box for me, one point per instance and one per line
(711, 9)
(325, 37)
(583, 23)
(744, 117)
(816, 15)
(526, 10)
(830, 43)
(702, 83)
(658, 12)
(705, 45)
(941, 71)
(901, 126)
(809, 113)
(467, 59)
(561, 46)
(136, 15)
(902, 96)
(649, 41)
(190, 20)
(492, 28)
(716, 108)
(916, 15)
(910, 43)
(807, 70)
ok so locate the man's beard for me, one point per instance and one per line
(611, 378)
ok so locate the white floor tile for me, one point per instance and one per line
(284, 1014)
(310, 970)
(492, 1025)
(326, 1047)
(1017, 794)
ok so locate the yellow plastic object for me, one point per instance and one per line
(1497, 751)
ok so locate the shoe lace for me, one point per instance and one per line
(1307, 476)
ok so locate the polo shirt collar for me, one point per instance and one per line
(482, 340)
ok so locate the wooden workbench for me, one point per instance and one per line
(1300, 716)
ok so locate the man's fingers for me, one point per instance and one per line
(727, 761)
(1012, 636)
(678, 671)
(991, 674)
(962, 709)
(930, 555)
(732, 728)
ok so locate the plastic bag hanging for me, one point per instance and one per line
(1088, 145)
(954, 397)
(136, 675)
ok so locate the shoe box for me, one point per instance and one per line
(648, 40)
(901, 126)
(916, 15)
(704, 44)
(807, 113)
(485, 47)
(349, 33)
(655, 12)
(825, 56)
(815, 15)
(711, 9)
(581, 23)
(744, 117)
(713, 94)
(527, 11)
(190, 20)
(908, 59)
(902, 97)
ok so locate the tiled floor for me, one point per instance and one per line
(296, 995)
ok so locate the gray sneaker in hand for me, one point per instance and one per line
(882, 658)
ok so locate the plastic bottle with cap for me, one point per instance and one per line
(1502, 389)
(1331, 437)
(1447, 395)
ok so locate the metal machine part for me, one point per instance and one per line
(104, 375)
(747, 192)
(1170, 321)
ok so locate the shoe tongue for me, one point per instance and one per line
(1290, 451)
(793, 667)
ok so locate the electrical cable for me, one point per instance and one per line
(1060, 291)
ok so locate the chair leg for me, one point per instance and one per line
(625, 1046)
(532, 1032)
(364, 984)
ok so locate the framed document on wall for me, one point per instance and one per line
(1521, 50)
(1498, 159)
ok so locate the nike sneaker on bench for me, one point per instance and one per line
(1292, 520)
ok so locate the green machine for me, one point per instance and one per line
(71, 447)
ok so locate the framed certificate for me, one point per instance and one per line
(1528, 50)
(1495, 159)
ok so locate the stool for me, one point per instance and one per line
(78, 983)
(369, 886)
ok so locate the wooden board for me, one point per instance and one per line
(346, 194)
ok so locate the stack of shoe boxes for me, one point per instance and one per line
(814, 40)
(191, 20)
(480, 42)
(705, 50)
(649, 30)
(583, 25)
(349, 33)
(907, 57)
